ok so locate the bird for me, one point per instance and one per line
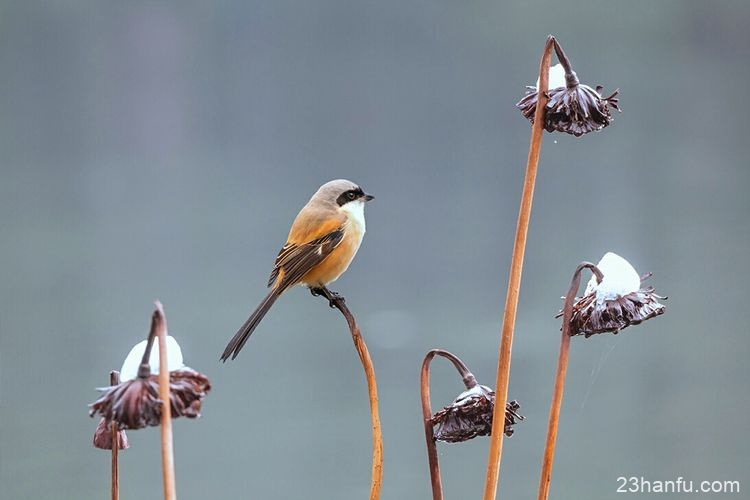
(323, 240)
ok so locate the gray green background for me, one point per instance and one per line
(161, 149)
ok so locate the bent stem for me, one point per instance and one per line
(376, 480)
(562, 370)
(514, 281)
(114, 379)
(571, 79)
(159, 326)
(424, 384)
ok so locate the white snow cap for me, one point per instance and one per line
(620, 278)
(465, 397)
(556, 77)
(129, 369)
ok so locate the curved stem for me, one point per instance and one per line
(376, 480)
(562, 370)
(144, 370)
(159, 324)
(424, 386)
(514, 281)
(429, 434)
(571, 79)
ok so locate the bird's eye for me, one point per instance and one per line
(351, 195)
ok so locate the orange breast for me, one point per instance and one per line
(337, 262)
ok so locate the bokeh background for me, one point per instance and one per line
(160, 150)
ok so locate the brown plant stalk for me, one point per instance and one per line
(159, 325)
(562, 369)
(376, 480)
(424, 384)
(514, 281)
(114, 379)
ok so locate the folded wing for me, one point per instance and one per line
(294, 261)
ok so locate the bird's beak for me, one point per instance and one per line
(369, 197)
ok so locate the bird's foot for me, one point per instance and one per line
(333, 297)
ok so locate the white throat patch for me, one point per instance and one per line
(355, 210)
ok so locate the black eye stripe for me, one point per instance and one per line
(350, 195)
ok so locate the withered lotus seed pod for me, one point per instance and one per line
(573, 108)
(103, 436)
(133, 404)
(615, 303)
(470, 415)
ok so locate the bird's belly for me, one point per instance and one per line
(336, 263)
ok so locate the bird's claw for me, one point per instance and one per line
(334, 298)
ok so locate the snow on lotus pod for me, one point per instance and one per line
(132, 362)
(134, 403)
(615, 303)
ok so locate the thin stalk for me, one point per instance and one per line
(376, 480)
(562, 370)
(114, 379)
(159, 324)
(144, 370)
(514, 281)
(571, 79)
(424, 384)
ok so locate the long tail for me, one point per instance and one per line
(235, 345)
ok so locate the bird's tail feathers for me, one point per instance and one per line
(235, 345)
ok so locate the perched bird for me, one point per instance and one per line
(321, 244)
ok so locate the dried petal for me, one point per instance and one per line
(187, 390)
(135, 404)
(103, 437)
(577, 109)
(470, 415)
(511, 415)
(592, 317)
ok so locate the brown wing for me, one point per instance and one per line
(294, 261)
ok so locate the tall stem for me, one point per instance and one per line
(376, 480)
(159, 324)
(424, 384)
(114, 379)
(562, 370)
(514, 281)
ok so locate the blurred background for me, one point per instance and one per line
(161, 150)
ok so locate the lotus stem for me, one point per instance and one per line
(114, 379)
(424, 384)
(376, 480)
(562, 370)
(159, 325)
(514, 281)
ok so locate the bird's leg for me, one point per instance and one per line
(333, 297)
